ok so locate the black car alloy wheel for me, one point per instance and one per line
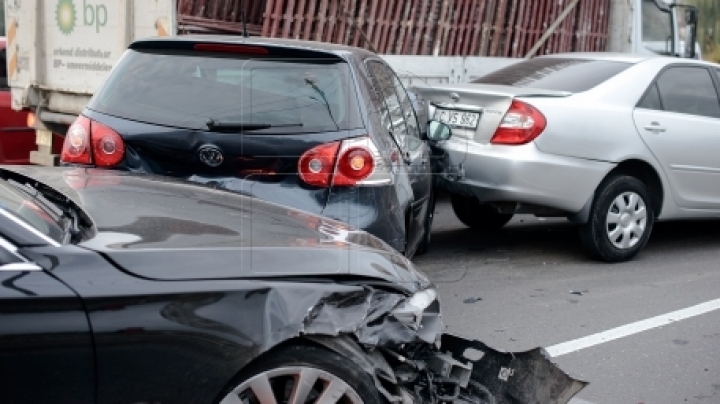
(304, 374)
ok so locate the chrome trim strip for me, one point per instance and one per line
(29, 228)
(7, 245)
(678, 167)
(24, 265)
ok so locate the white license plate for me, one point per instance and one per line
(462, 119)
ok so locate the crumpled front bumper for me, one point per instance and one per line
(431, 375)
(425, 365)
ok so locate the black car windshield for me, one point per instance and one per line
(201, 90)
(559, 74)
(21, 206)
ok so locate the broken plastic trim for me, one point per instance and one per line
(408, 367)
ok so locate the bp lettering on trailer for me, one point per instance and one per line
(93, 15)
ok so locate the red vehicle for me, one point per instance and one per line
(17, 139)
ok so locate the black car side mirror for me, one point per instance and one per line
(438, 131)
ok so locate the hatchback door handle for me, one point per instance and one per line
(654, 127)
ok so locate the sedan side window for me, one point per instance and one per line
(689, 90)
(651, 99)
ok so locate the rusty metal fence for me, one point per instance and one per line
(507, 28)
(220, 16)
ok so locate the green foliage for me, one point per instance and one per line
(708, 27)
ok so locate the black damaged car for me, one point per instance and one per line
(125, 288)
(325, 128)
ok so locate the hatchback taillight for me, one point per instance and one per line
(347, 163)
(90, 142)
(316, 166)
(521, 124)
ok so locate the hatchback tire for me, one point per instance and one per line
(621, 219)
(427, 235)
(305, 373)
(476, 215)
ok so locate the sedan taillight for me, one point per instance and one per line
(347, 163)
(521, 124)
(90, 142)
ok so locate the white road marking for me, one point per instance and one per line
(632, 328)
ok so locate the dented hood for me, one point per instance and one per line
(161, 228)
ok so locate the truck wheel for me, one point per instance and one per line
(304, 374)
(621, 219)
(476, 215)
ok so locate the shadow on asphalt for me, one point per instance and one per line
(527, 238)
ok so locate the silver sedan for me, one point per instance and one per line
(611, 141)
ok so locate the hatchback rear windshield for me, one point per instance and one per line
(186, 90)
(560, 74)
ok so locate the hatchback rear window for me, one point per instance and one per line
(186, 90)
(560, 74)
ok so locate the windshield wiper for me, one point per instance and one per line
(325, 102)
(246, 126)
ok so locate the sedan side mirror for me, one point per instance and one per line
(438, 131)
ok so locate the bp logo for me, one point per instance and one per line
(66, 16)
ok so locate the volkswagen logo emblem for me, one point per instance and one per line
(455, 97)
(211, 155)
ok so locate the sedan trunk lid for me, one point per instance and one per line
(489, 101)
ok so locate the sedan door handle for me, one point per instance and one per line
(654, 127)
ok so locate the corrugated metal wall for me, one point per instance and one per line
(507, 28)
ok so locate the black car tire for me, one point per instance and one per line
(313, 357)
(476, 215)
(596, 233)
(427, 235)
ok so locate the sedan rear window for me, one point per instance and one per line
(560, 74)
(189, 89)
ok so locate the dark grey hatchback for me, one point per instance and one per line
(324, 128)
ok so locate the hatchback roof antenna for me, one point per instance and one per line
(244, 20)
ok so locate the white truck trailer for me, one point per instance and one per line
(60, 51)
(660, 27)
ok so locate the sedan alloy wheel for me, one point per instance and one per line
(626, 220)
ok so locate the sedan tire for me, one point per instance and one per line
(304, 373)
(621, 219)
(476, 215)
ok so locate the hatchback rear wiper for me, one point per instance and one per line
(245, 126)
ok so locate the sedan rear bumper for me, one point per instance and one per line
(499, 173)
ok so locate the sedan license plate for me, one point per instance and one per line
(463, 119)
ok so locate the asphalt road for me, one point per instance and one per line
(531, 284)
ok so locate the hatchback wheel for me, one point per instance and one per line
(304, 374)
(476, 215)
(621, 219)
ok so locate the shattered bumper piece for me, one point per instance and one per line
(524, 377)
(425, 374)
(412, 361)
